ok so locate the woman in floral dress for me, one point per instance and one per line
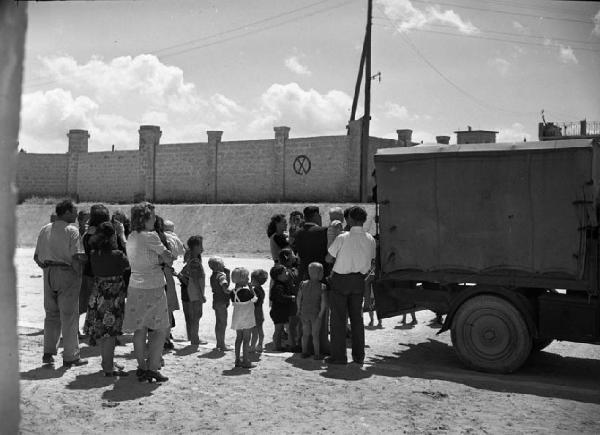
(106, 307)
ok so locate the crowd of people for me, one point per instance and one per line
(118, 272)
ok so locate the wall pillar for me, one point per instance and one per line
(13, 17)
(212, 162)
(149, 140)
(78, 143)
(282, 134)
(404, 137)
(353, 160)
(442, 140)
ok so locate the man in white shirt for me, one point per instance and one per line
(58, 252)
(353, 255)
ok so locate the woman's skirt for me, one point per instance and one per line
(105, 309)
(146, 308)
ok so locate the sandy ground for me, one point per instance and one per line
(412, 382)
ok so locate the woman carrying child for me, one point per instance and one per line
(282, 303)
(104, 318)
(243, 299)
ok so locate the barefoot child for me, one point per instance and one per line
(192, 289)
(311, 308)
(219, 283)
(282, 303)
(242, 321)
(257, 280)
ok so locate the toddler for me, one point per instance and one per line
(336, 217)
(242, 321)
(282, 303)
(192, 288)
(312, 305)
(257, 279)
(219, 283)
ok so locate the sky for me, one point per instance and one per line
(244, 66)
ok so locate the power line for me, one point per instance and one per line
(479, 101)
(498, 11)
(258, 30)
(220, 41)
(512, 34)
(490, 38)
(242, 27)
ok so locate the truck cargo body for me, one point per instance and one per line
(515, 221)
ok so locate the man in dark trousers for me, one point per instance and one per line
(353, 256)
(310, 242)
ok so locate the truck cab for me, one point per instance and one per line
(503, 238)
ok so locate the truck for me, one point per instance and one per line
(500, 237)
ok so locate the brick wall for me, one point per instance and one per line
(181, 173)
(42, 174)
(108, 176)
(245, 170)
(328, 168)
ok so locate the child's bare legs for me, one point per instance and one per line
(306, 331)
(245, 345)
(238, 345)
(253, 339)
(257, 335)
(292, 331)
(278, 336)
(316, 333)
(372, 319)
(414, 319)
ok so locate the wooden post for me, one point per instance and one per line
(13, 16)
(364, 143)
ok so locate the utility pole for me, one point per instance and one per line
(365, 64)
(364, 142)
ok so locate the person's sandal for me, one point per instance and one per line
(238, 363)
(141, 374)
(247, 365)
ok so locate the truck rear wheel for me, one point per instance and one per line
(490, 334)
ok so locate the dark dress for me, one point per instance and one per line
(282, 303)
(258, 305)
(107, 299)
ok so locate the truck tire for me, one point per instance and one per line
(541, 343)
(491, 335)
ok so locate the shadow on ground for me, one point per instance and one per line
(129, 388)
(545, 374)
(43, 372)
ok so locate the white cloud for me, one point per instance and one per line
(566, 54)
(305, 111)
(519, 27)
(393, 110)
(596, 30)
(500, 64)
(515, 133)
(408, 17)
(112, 98)
(293, 64)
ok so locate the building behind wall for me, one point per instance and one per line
(475, 136)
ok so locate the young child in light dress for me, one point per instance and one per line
(243, 299)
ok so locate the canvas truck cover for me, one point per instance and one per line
(488, 208)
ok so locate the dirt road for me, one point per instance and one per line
(412, 382)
